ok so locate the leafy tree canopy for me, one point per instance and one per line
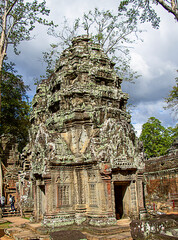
(156, 138)
(144, 11)
(15, 105)
(17, 20)
(114, 32)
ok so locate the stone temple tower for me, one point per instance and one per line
(86, 162)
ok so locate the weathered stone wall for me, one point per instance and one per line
(83, 151)
(161, 176)
(25, 189)
(161, 227)
(10, 158)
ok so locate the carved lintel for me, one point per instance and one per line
(47, 181)
(46, 176)
(62, 179)
(39, 182)
(92, 176)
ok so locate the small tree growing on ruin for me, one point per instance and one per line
(114, 33)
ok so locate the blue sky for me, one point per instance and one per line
(155, 58)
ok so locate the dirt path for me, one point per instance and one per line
(6, 238)
(16, 221)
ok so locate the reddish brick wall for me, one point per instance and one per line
(161, 186)
(161, 179)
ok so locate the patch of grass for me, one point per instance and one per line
(4, 225)
(28, 218)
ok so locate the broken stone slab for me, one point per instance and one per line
(66, 235)
(154, 228)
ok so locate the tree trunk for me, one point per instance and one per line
(174, 5)
(1, 180)
(170, 8)
(3, 45)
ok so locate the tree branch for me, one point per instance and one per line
(11, 7)
(112, 29)
(168, 8)
(117, 40)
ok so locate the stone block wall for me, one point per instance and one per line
(83, 152)
(161, 182)
(10, 158)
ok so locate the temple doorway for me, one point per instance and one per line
(122, 199)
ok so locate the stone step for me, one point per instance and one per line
(28, 232)
(120, 236)
(109, 230)
(33, 227)
(35, 231)
(24, 234)
(9, 213)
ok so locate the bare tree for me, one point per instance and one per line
(112, 31)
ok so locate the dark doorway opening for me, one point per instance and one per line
(119, 192)
(42, 188)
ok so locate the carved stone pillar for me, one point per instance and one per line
(107, 185)
(140, 196)
(48, 193)
(105, 170)
(34, 187)
(37, 201)
(40, 200)
(134, 208)
(80, 184)
(80, 214)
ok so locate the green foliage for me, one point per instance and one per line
(18, 18)
(114, 32)
(172, 99)
(144, 10)
(5, 225)
(140, 10)
(156, 138)
(15, 106)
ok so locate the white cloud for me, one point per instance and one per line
(138, 128)
(145, 110)
(155, 58)
(139, 64)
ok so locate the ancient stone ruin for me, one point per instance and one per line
(10, 164)
(161, 181)
(86, 164)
